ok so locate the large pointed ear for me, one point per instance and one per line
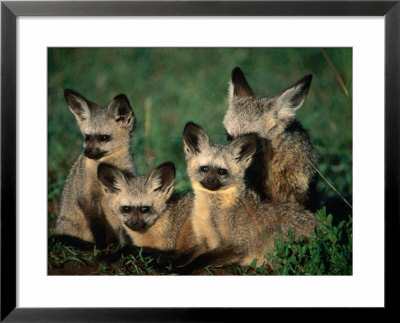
(238, 86)
(162, 178)
(292, 98)
(78, 105)
(121, 110)
(244, 147)
(194, 137)
(110, 177)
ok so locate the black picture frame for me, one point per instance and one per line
(10, 10)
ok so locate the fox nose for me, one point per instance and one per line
(210, 180)
(135, 224)
(87, 150)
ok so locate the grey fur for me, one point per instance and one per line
(81, 214)
(289, 174)
(233, 217)
(165, 214)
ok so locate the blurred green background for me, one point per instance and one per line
(169, 86)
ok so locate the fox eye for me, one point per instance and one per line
(222, 171)
(145, 209)
(204, 169)
(105, 137)
(126, 209)
(87, 137)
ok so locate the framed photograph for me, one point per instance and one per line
(173, 63)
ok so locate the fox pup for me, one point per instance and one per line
(283, 163)
(107, 133)
(149, 212)
(226, 215)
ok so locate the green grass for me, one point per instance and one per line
(169, 86)
(329, 252)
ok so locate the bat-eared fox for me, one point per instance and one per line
(230, 222)
(107, 133)
(283, 168)
(150, 213)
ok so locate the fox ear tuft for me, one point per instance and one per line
(238, 86)
(121, 110)
(78, 105)
(162, 178)
(109, 176)
(193, 138)
(244, 147)
(291, 99)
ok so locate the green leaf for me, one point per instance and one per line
(260, 269)
(334, 240)
(278, 244)
(76, 260)
(329, 219)
(315, 258)
(254, 263)
(71, 250)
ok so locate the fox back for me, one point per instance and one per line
(150, 214)
(107, 133)
(286, 163)
(226, 216)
